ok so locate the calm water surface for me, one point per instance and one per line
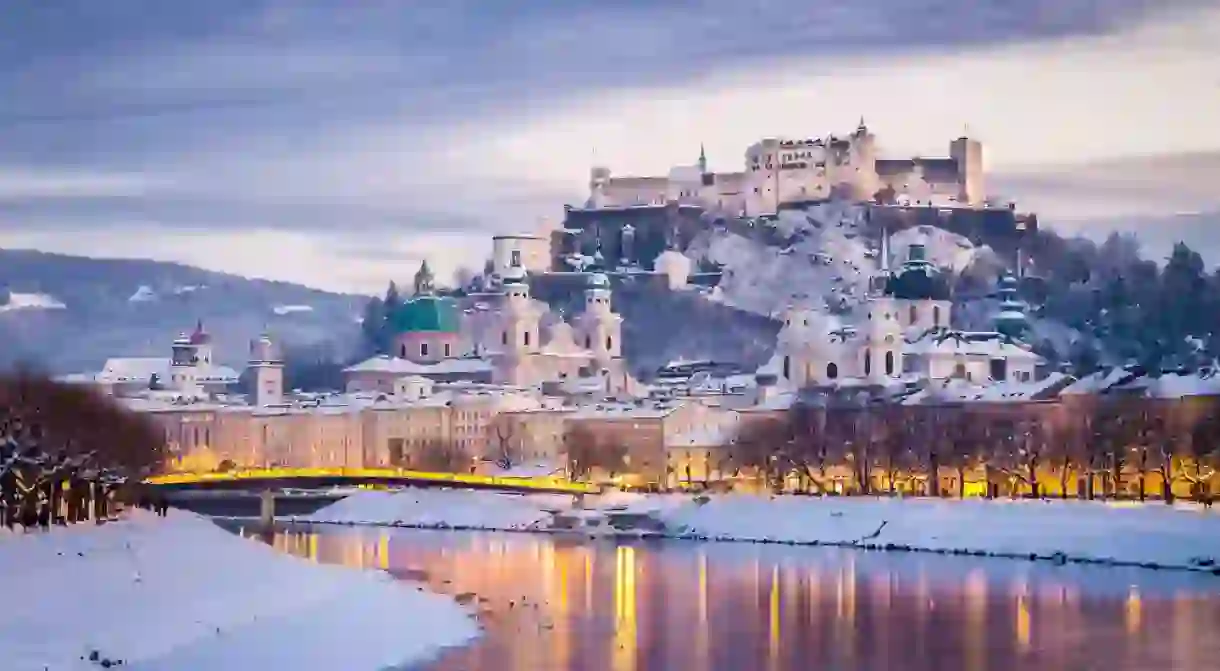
(552, 603)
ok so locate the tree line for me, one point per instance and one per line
(67, 452)
(1110, 448)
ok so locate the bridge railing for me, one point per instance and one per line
(546, 483)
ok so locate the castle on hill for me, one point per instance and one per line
(780, 171)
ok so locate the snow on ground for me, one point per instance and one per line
(180, 594)
(290, 309)
(1129, 533)
(828, 263)
(448, 507)
(142, 295)
(18, 301)
(944, 248)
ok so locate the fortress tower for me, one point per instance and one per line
(968, 154)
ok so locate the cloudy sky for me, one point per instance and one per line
(337, 143)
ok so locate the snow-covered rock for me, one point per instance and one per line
(144, 294)
(182, 594)
(19, 301)
(290, 309)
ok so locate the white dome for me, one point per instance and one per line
(599, 281)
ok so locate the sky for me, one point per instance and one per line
(337, 144)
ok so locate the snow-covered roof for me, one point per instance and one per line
(141, 369)
(962, 391)
(967, 343)
(613, 410)
(388, 364)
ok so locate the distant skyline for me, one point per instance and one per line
(336, 144)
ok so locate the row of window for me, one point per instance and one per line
(832, 368)
(423, 350)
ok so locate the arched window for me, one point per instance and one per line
(889, 363)
(936, 316)
(788, 367)
(588, 342)
(423, 349)
(504, 338)
(868, 362)
(832, 370)
(402, 351)
(525, 337)
(448, 352)
(609, 344)
(914, 314)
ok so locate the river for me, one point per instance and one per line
(553, 603)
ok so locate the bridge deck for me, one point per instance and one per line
(322, 477)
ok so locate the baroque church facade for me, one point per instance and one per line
(516, 340)
(906, 334)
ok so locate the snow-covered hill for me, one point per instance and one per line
(34, 301)
(820, 257)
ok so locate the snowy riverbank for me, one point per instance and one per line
(1153, 534)
(181, 594)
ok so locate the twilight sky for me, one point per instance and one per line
(337, 143)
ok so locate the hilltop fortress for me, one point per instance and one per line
(780, 172)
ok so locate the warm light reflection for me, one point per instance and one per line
(887, 617)
(1131, 610)
(702, 639)
(773, 620)
(1023, 624)
(976, 620)
(625, 634)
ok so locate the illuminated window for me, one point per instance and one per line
(832, 370)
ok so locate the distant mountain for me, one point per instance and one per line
(69, 313)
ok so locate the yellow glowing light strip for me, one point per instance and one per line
(505, 482)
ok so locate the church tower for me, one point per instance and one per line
(267, 371)
(599, 329)
(520, 315)
(880, 351)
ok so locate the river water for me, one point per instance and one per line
(547, 602)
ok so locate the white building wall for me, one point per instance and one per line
(532, 252)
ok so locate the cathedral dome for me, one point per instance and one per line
(918, 279)
(427, 314)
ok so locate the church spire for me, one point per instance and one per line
(702, 159)
(423, 280)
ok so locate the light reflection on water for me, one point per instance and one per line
(553, 603)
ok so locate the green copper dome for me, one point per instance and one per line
(427, 314)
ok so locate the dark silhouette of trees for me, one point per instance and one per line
(65, 450)
(585, 453)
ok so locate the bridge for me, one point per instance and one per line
(319, 478)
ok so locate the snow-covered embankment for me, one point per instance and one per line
(1151, 534)
(182, 594)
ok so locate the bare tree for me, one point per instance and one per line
(761, 447)
(505, 451)
(586, 453)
